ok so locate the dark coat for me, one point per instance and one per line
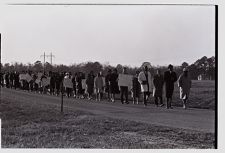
(53, 81)
(90, 83)
(169, 78)
(113, 80)
(158, 82)
(58, 80)
(136, 87)
(79, 85)
(107, 86)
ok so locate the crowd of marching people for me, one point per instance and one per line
(95, 86)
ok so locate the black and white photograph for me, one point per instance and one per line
(108, 75)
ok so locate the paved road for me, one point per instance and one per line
(195, 119)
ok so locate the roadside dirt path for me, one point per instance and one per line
(194, 119)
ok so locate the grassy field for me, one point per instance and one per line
(31, 125)
(202, 95)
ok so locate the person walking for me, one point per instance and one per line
(124, 90)
(98, 86)
(35, 78)
(90, 84)
(103, 80)
(145, 79)
(58, 82)
(79, 85)
(52, 82)
(113, 81)
(136, 88)
(1, 79)
(11, 80)
(107, 84)
(170, 77)
(68, 84)
(17, 80)
(158, 87)
(43, 85)
(7, 80)
(184, 83)
(74, 85)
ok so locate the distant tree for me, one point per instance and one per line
(97, 67)
(62, 68)
(30, 67)
(106, 67)
(48, 67)
(193, 72)
(204, 65)
(6, 67)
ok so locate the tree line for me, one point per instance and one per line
(203, 66)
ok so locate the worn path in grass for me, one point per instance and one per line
(194, 119)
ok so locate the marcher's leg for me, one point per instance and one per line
(167, 103)
(74, 92)
(161, 101)
(133, 98)
(170, 103)
(137, 100)
(184, 103)
(108, 94)
(67, 92)
(113, 97)
(99, 96)
(126, 95)
(96, 97)
(122, 94)
(156, 101)
(144, 98)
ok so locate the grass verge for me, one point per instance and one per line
(43, 126)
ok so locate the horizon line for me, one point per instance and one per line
(106, 63)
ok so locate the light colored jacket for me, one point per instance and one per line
(142, 78)
(99, 82)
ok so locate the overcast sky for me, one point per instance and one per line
(127, 35)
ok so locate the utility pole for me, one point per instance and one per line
(50, 57)
(47, 56)
(44, 61)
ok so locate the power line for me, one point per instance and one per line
(51, 56)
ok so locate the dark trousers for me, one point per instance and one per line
(68, 92)
(52, 89)
(108, 94)
(31, 86)
(57, 88)
(16, 84)
(7, 83)
(36, 87)
(160, 100)
(168, 102)
(124, 91)
(74, 90)
(145, 96)
(11, 83)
